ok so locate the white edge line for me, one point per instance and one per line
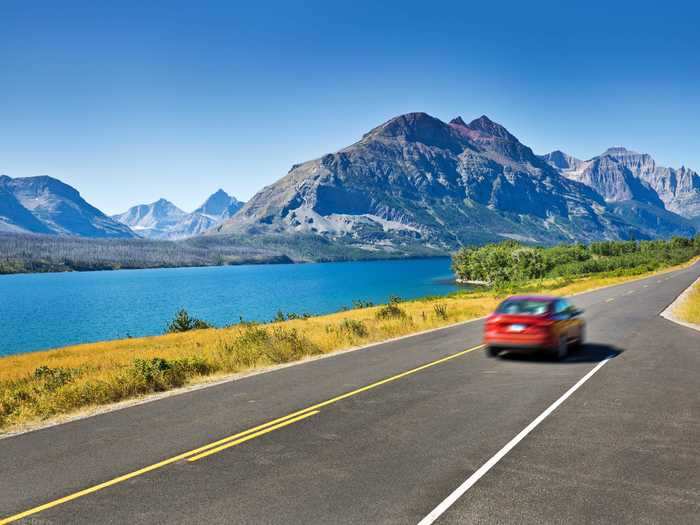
(668, 312)
(476, 476)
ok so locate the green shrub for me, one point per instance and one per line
(184, 323)
(354, 328)
(53, 378)
(156, 374)
(288, 345)
(278, 345)
(281, 316)
(391, 310)
(359, 303)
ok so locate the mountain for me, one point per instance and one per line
(679, 189)
(624, 176)
(163, 220)
(48, 206)
(561, 160)
(154, 220)
(219, 206)
(416, 179)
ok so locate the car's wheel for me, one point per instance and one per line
(491, 351)
(562, 350)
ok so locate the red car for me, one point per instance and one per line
(534, 323)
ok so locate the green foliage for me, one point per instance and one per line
(391, 310)
(503, 262)
(53, 378)
(158, 374)
(354, 327)
(440, 310)
(507, 264)
(184, 323)
(359, 303)
(281, 316)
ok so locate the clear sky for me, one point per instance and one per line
(129, 102)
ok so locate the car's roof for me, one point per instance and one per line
(548, 298)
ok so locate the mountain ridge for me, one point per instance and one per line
(163, 220)
(46, 205)
(635, 176)
(415, 178)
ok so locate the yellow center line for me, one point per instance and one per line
(233, 438)
(610, 300)
(251, 436)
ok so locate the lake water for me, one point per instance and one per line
(39, 311)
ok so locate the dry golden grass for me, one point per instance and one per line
(689, 309)
(93, 374)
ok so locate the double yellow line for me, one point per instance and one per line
(234, 440)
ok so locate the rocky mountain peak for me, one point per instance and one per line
(219, 204)
(562, 161)
(164, 206)
(407, 124)
(487, 126)
(618, 151)
(417, 127)
(458, 121)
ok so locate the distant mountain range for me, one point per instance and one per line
(46, 205)
(416, 179)
(621, 175)
(163, 220)
(414, 184)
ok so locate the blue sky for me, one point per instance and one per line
(130, 102)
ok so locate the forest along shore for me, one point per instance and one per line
(46, 253)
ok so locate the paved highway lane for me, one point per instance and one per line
(621, 448)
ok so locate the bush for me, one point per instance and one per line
(288, 345)
(53, 378)
(184, 323)
(278, 345)
(354, 328)
(244, 350)
(280, 316)
(440, 310)
(156, 374)
(391, 310)
(359, 303)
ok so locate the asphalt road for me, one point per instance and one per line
(622, 448)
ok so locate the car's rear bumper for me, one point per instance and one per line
(520, 343)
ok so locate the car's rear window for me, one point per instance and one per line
(523, 307)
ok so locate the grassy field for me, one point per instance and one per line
(41, 385)
(689, 309)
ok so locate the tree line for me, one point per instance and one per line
(511, 261)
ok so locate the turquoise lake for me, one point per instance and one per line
(39, 311)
